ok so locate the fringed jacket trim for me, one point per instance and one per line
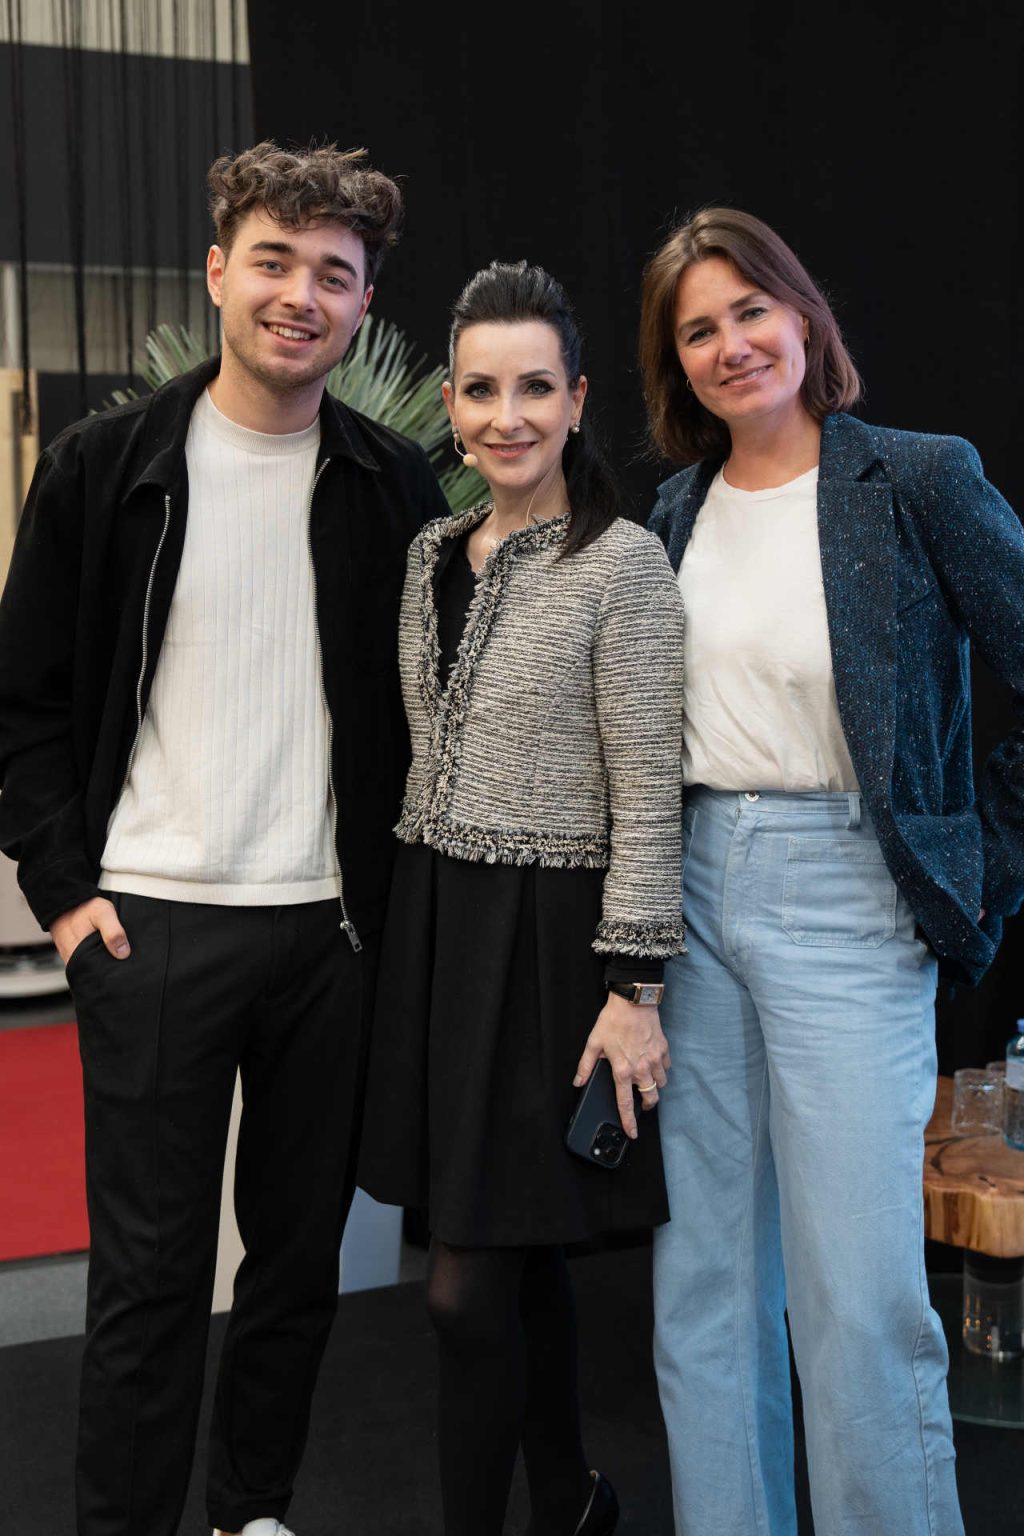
(557, 739)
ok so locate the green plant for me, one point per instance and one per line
(380, 377)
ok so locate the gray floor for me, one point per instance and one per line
(45, 1298)
(42, 1299)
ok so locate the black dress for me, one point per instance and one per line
(487, 991)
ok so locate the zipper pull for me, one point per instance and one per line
(353, 937)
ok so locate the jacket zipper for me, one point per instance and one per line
(347, 925)
(145, 640)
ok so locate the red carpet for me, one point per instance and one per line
(42, 1143)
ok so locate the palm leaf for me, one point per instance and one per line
(170, 351)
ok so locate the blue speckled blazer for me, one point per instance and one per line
(920, 556)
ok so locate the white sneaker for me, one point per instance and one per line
(268, 1527)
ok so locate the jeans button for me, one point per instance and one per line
(751, 794)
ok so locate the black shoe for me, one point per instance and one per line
(601, 1515)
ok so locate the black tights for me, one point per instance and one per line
(506, 1331)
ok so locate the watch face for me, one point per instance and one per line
(649, 994)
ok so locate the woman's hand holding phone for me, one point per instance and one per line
(631, 1038)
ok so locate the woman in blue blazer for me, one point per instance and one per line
(836, 858)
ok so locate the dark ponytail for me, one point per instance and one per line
(507, 292)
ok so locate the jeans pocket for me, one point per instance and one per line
(689, 822)
(838, 893)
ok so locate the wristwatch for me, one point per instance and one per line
(642, 993)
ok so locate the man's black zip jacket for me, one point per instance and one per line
(84, 611)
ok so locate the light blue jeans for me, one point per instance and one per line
(801, 1027)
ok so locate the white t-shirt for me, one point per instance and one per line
(228, 797)
(760, 708)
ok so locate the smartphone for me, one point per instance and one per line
(595, 1130)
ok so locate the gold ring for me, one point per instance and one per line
(647, 1087)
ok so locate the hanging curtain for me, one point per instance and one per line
(14, 32)
(137, 104)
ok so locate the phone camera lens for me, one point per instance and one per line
(608, 1142)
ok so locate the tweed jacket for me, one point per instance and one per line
(557, 739)
(920, 555)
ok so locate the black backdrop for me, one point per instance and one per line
(881, 142)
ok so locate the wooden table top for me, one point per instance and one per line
(973, 1186)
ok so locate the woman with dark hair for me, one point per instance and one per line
(834, 860)
(535, 898)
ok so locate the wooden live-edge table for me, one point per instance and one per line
(973, 1199)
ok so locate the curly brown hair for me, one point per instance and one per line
(298, 188)
(680, 427)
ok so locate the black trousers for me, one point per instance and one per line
(278, 993)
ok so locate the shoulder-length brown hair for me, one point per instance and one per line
(680, 427)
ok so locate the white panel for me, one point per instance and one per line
(149, 25)
(229, 1247)
(52, 317)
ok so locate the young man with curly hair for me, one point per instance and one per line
(202, 748)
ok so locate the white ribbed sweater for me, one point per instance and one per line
(228, 796)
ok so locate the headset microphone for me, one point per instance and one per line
(469, 459)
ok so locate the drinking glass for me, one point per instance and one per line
(993, 1317)
(977, 1102)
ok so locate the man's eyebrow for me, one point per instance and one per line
(283, 248)
(329, 259)
(279, 247)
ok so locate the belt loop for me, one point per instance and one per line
(854, 818)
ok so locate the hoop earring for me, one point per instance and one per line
(689, 385)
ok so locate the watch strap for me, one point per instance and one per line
(641, 993)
